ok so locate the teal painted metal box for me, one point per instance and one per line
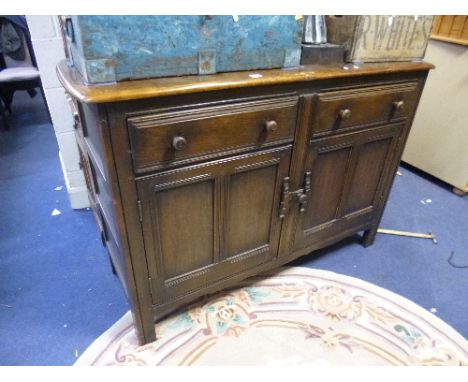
(117, 48)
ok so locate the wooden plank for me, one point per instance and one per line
(452, 40)
(453, 29)
(464, 34)
(446, 25)
(457, 26)
(436, 25)
(408, 234)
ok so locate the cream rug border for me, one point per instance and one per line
(125, 322)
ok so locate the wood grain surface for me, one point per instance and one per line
(159, 87)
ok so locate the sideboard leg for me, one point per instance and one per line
(145, 331)
(369, 237)
(143, 340)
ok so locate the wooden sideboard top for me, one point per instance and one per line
(168, 86)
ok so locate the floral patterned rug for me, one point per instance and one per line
(295, 316)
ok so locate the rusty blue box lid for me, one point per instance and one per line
(117, 48)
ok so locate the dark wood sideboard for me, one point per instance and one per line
(198, 182)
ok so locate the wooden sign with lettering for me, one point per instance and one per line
(380, 38)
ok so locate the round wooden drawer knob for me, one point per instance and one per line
(179, 142)
(271, 126)
(345, 114)
(399, 105)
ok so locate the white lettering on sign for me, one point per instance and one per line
(407, 35)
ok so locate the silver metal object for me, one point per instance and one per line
(315, 30)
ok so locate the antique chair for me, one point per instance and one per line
(17, 75)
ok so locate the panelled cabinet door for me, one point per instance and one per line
(206, 222)
(344, 177)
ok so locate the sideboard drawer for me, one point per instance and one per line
(342, 110)
(175, 137)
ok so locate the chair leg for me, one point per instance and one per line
(5, 125)
(32, 92)
(7, 98)
(45, 102)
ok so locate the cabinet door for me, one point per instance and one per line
(206, 222)
(343, 182)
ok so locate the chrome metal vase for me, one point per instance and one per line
(315, 30)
